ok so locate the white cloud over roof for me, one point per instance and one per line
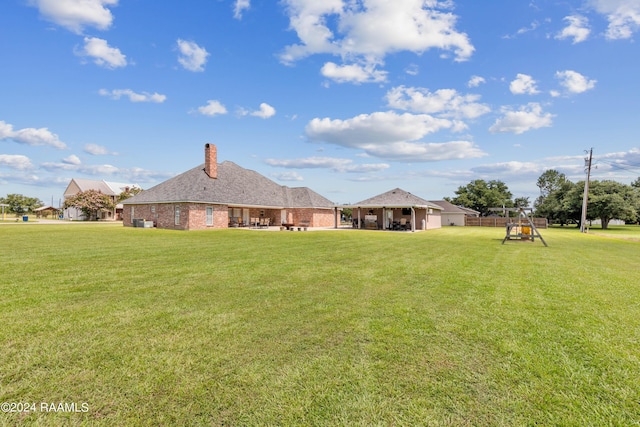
(333, 163)
(212, 108)
(265, 111)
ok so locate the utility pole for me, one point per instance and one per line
(585, 197)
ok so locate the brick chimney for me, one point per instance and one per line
(211, 160)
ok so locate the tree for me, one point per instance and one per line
(521, 202)
(90, 202)
(549, 181)
(128, 193)
(480, 195)
(612, 200)
(557, 198)
(20, 204)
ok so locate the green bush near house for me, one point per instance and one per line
(245, 327)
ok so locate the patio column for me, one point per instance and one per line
(413, 219)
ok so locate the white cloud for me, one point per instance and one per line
(412, 70)
(288, 176)
(72, 160)
(623, 16)
(366, 31)
(353, 73)
(575, 82)
(528, 117)
(523, 84)
(476, 81)
(425, 152)
(15, 161)
(391, 136)
(98, 150)
(380, 127)
(239, 7)
(133, 96)
(192, 57)
(212, 108)
(126, 174)
(335, 164)
(77, 14)
(265, 111)
(31, 136)
(103, 54)
(510, 168)
(447, 102)
(578, 29)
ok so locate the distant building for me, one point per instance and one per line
(454, 215)
(111, 189)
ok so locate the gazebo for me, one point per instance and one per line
(45, 210)
(395, 210)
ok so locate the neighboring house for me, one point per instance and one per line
(222, 195)
(454, 215)
(396, 210)
(111, 189)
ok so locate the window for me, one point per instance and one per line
(177, 218)
(209, 215)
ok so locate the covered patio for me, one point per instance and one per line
(396, 210)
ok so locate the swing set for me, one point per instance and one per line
(522, 227)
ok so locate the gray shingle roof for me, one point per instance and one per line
(396, 198)
(234, 185)
(451, 208)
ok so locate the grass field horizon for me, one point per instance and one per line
(243, 327)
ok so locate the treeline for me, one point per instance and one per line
(560, 200)
(19, 204)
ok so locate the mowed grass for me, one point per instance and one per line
(242, 327)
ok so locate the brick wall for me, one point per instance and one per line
(193, 216)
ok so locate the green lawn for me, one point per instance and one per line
(244, 327)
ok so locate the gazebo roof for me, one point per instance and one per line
(396, 198)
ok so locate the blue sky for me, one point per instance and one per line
(351, 98)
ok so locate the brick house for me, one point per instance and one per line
(221, 195)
